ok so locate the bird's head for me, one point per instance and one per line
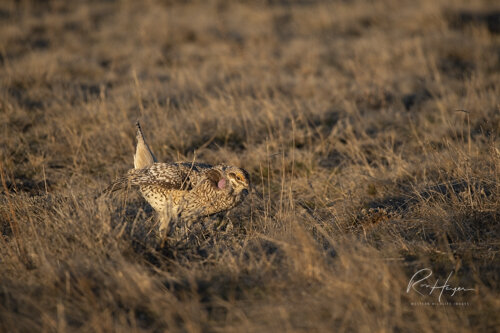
(239, 180)
(229, 179)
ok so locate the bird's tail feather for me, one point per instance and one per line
(143, 156)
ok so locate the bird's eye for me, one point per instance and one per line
(240, 177)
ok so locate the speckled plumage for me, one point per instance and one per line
(185, 190)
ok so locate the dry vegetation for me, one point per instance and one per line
(345, 115)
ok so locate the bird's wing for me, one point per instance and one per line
(164, 175)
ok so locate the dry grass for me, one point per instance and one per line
(345, 115)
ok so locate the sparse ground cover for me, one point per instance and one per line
(370, 130)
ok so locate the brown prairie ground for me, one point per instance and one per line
(345, 115)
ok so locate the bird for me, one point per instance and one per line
(183, 191)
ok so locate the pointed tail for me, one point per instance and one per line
(143, 156)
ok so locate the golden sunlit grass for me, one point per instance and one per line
(370, 131)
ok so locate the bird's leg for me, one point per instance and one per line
(168, 225)
(163, 228)
(222, 222)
